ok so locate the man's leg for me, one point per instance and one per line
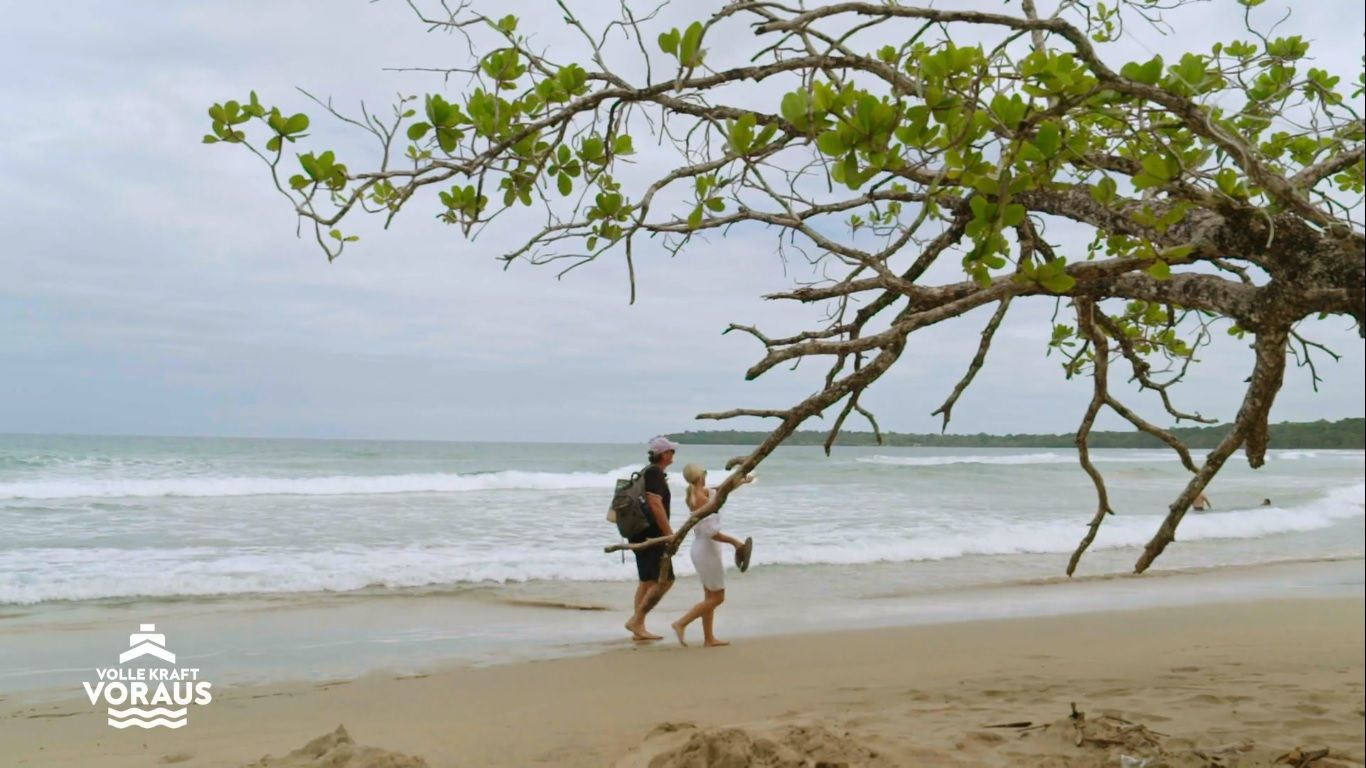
(657, 592)
(645, 600)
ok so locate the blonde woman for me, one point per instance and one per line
(706, 558)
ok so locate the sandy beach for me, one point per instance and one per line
(1223, 684)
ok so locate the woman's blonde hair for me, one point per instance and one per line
(693, 473)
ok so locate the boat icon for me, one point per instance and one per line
(146, 642)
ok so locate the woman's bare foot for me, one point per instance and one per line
(678, 631)
(638, 632)
(714, 643)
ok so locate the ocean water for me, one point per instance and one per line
(88, 519)
(282, 559)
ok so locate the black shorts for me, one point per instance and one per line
(649, 562)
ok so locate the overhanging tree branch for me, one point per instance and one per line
(888, 167)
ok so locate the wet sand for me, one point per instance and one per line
(1241, 683)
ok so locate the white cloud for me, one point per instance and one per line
(154, 284)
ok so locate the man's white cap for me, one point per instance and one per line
(659, 445)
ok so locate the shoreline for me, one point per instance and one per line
(1276, 673)
(246, 640)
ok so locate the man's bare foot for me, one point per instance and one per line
(678, 631)
(638, 631)
(714, 643)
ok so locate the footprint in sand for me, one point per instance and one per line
(175, 757)
(979, 738)
(1204, 698)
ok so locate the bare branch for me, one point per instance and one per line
(976, 365)
(1249, 428)
(1101, 355)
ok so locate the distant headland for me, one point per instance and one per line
(1343, 433)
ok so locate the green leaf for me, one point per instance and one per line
(1161, 166)
(716, 204)
(695, 218)
(1148, 73)
(565, 184)
(1160, 270)
(831, 144)
(690, 51)
(1048, 140)
(796, 109)
(621, 145)
(742, 134)
(1104, 191)
(1058, 283)
(210, 139)
(765, 135)
(1229, 184)
(1010, 111)
(592, 150)
(417, 130)
(609, 202)
(668, 41)
(981, 208)
(296, 123)
(1178, 253)
(448, 139)
(1013, 215)
(508, 24)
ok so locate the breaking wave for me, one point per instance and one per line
(29, 576)
(341, 485)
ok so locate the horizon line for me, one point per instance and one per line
(581, 442)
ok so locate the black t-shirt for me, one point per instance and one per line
(656, 482)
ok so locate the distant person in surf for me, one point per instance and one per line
(706, 558)
(1202, 503)
(650, 561)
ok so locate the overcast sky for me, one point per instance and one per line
(150, 284)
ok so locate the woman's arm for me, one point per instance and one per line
(746, 480)
(724, 539)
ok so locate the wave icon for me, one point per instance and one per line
(159, 717)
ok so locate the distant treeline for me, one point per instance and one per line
(1344, 433)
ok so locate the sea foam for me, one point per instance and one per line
(341, 485)
(37, 575)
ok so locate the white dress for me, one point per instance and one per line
(706, 552)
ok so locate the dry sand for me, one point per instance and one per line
(1215, 685)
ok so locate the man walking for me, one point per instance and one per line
(650, 561)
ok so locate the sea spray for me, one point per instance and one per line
(350, 485)
(83, 573)
(130, 518)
